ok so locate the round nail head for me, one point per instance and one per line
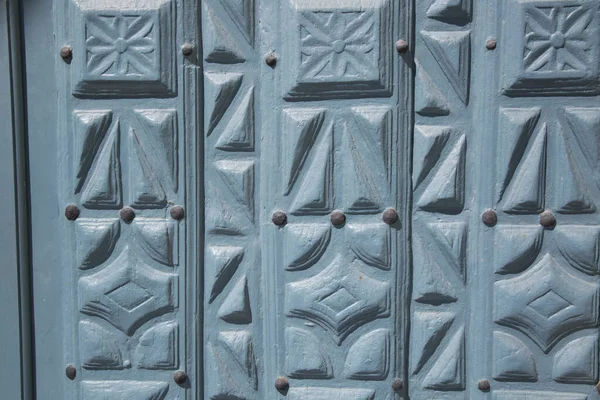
(547, 219)
(489, 217)
(338, 218)
(279, 218)
(179, 377)
(127, 214)
(187, 49)
(397, 385)
(484, 385)
(390, 216)
(72, 212)
(177, 213)
(66, 52)
(282, 384)
(491, 44)
(71, 372)
(401, 46)
(271, 60)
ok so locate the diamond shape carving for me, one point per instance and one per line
(549, 304)
(340, 298)
(129, 296)
(127, 293)
(546, 303)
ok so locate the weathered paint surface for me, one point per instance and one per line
(280, 189)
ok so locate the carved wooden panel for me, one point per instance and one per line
(541, 177)
(122, 164)
(232, 321)
(334, 291)
(441, 189)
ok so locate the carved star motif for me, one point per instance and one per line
(127, 293)
(340, 298)
(547, 303)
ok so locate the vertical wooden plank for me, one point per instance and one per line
(15, 352)
(443, 193)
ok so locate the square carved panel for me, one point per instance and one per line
(124, 49)
(552, 48)
(338, 49)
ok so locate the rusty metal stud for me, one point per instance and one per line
(338, 218)
(489, 217)
(71, 372)
(397, 385)
(279, 218)
(72, 212)
(390, 216)
(187, 49)
(271, 60)
(177, 213)
(66, 53)
(401, 46)
(179, 377)
(127, 214)
(491, 44)
(547, 219)
(281, 384)
(484, 385)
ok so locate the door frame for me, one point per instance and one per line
(16, 355)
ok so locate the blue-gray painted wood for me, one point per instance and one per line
(15, 332)
(306, 108)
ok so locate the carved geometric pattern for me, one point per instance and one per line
(239, 178)
(458, 11)
(428, 329)
(429, 100)
(121, 390)
(560, 49)
(364, 137)
(233, 114)
(221, 264)
(157, 237)
(585, 125)
(547, 303)
(340, 298)
(127, 293)
(368, 358)
(99, 165)
(522, 167)
(448, 371)
(371, 243)
(577, 361)
(153, 170)
(99, 348)
(452, 51)
(513, 361)
(341, 50)
(440, 261)
(445, 190)
(158, 347)
(153, 158)
(580, 246)
(516, 247)
(96, 240)
(236, 306)
(232, 358)
(305, 244)
(127, 52)
(241, 12)
(220, 44)
(306, 357)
